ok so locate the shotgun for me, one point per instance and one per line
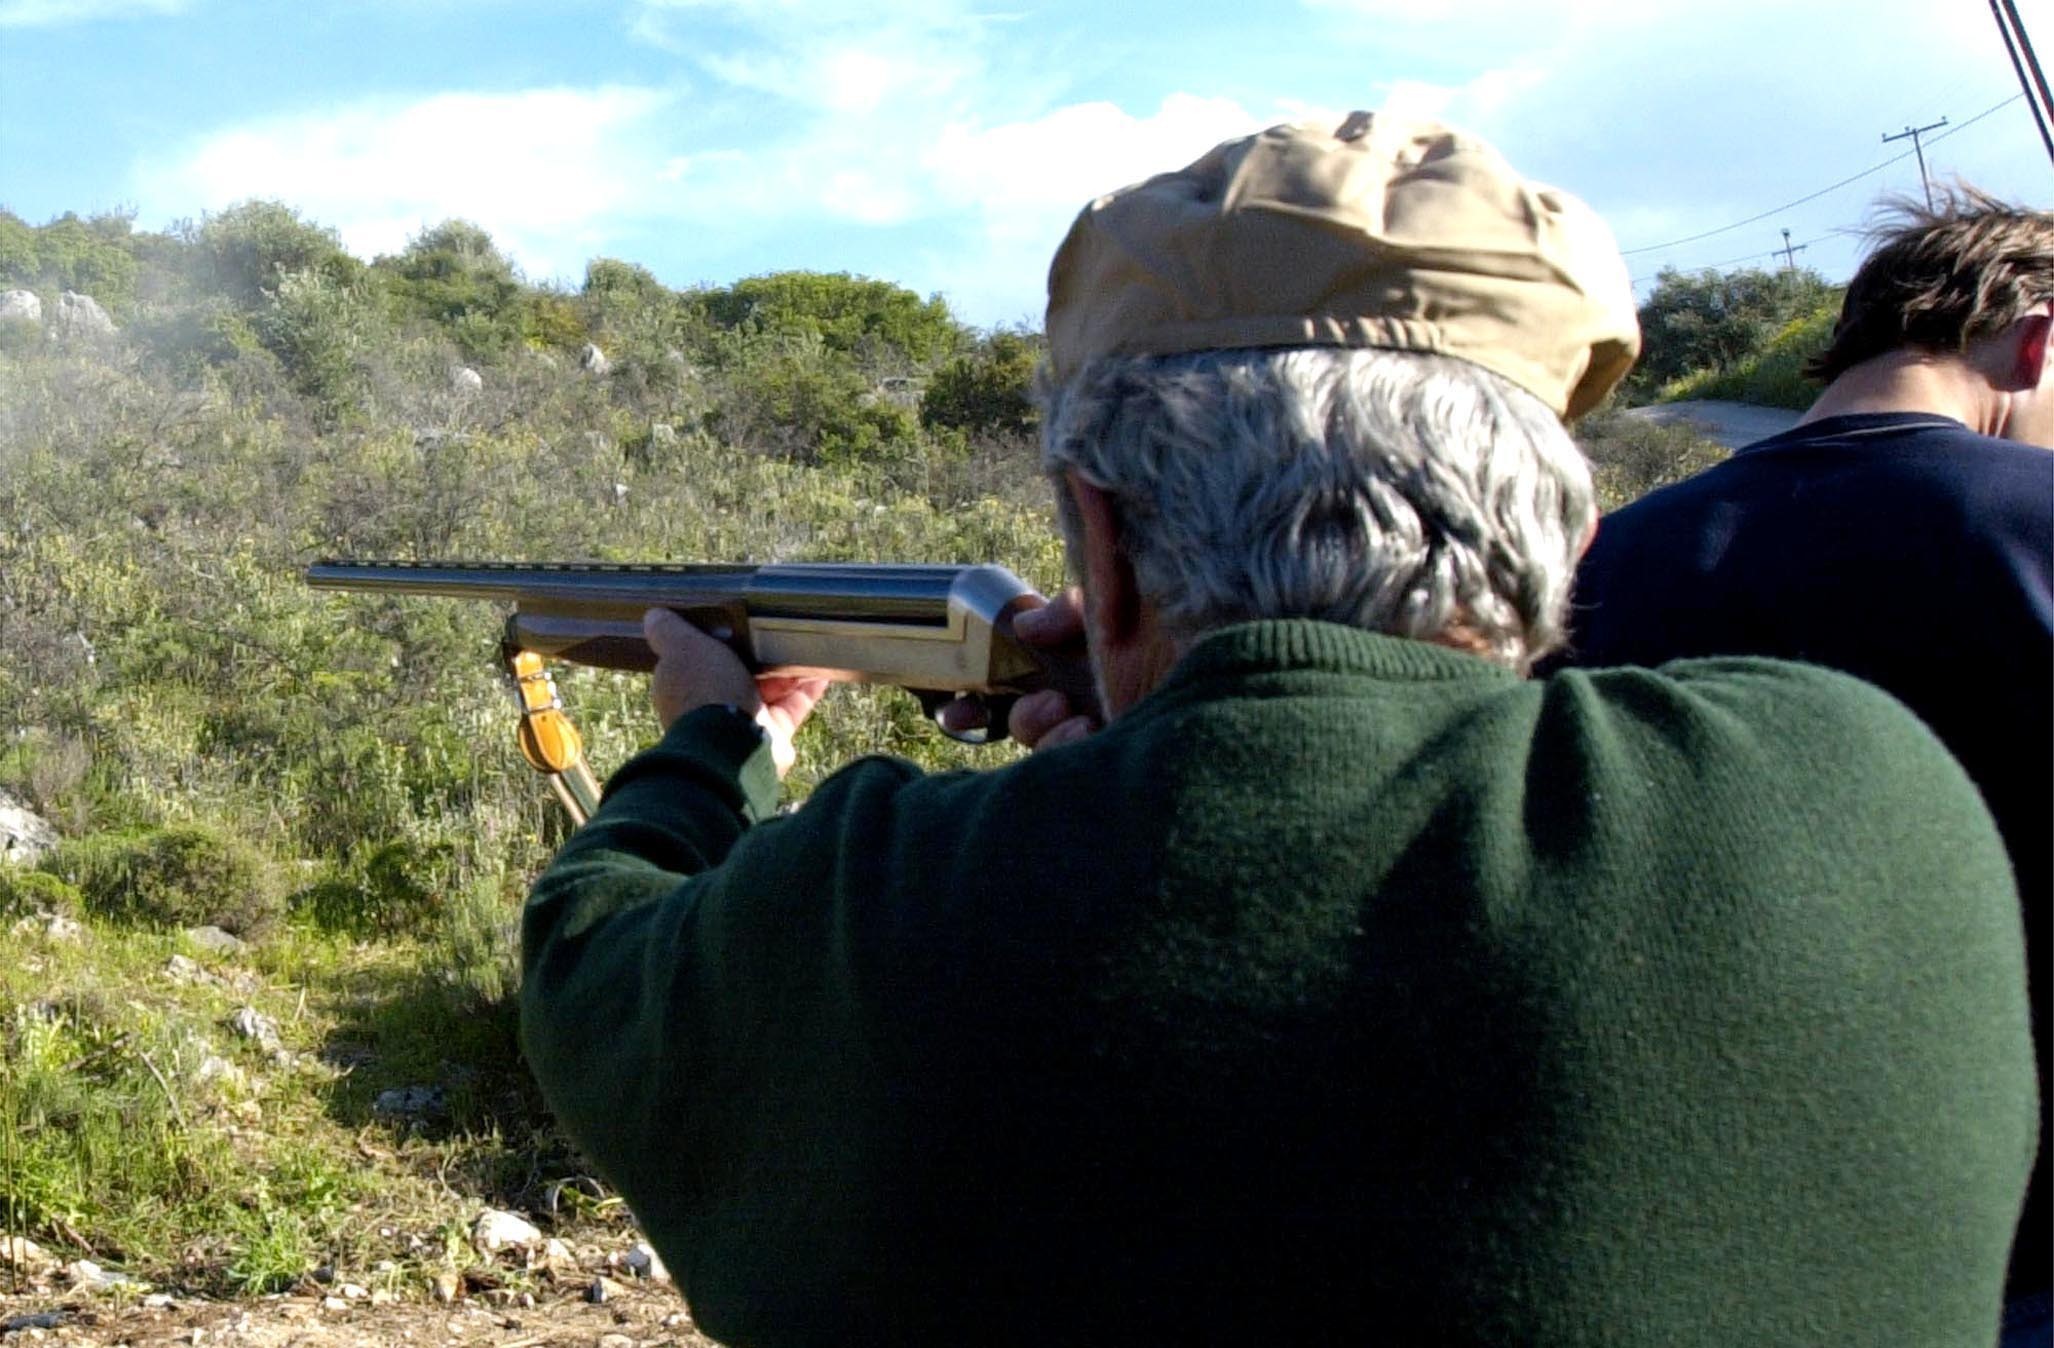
(942, 632)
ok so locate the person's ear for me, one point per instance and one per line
(1590, 536)
(1113, 600)
(2032, 354)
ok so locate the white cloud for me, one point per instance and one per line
(52, 13)
(1022, 183)
(544, 171)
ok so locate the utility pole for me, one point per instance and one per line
(1915, 132)
(2030, 77)
(1790, 251)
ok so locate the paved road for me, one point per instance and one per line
(1731, 424)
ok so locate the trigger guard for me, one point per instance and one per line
(995, 708)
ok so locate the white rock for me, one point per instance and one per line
(185, 969)
(24, 834)
(19, 1252)
(495, 1231)
(57, 927)
(20, 306)
(254, 1025)
(352, 1292)
(215, 1068)
(593, 361)
(81, 316)
(464, 379)
(87, 1276)
(410, 1101)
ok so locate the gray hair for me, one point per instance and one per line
(1406, 493)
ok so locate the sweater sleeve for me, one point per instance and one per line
(690, 1006)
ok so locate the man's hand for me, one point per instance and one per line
(694, 670)
(1045, 719)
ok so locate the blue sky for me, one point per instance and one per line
(945, 144)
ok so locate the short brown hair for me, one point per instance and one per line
(1942, 277)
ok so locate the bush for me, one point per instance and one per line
(850, 315)
(389, 890)
(183, 876)
(24, 891)
(1710, 320)
(243, 251)
(1773, 376)
(987, 392)
(1630, 456)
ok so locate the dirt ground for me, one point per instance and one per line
(638, 1315)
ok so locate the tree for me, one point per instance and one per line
(986, 390)
(1709, 320)
(454, 276)
(243, 251)
(851, 315)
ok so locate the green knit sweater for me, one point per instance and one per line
(1348, 989)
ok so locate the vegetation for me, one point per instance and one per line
(1701, 330)
(333, 781)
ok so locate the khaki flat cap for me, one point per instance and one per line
(1382, 232)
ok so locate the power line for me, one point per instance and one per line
(1732, 261)
(1874, 168)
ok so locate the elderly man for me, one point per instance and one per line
(1348, 986)
(1903, 531)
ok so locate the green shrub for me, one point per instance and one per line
(182, 876)
(1772, 376)
(392, 889)
(988, 391)
(25, 891)
(242, 252)
(1711, 320)
(1630, 456)
(851, 315)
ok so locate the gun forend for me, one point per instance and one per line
(935, 629)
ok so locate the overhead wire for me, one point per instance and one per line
(1813, 196)
(1735, 261)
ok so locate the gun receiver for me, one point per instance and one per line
(941, 632)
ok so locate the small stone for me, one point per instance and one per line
(351, 1292)
(381, 1297)
(495, 1231)
(643, 1261)
(603, 1290)
(254, 1025)
(160, 1301)
(615, 1341)
(215, 1068)
(19, 1252)
(677, 1320)
(185, 969)
(410, 1101)
(445, 1287)
(334, 1304)
(214, 940)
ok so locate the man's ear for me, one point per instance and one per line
(1112, 599)
(2035, 348)
(1590, 536)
